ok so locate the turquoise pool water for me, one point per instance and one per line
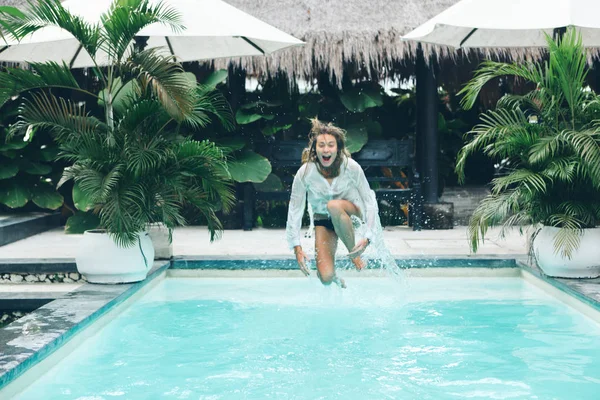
(276, 338)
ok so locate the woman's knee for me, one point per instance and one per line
(335, 207)
(327, 278)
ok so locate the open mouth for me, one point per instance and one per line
(326, 158)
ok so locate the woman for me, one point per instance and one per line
(337, 190)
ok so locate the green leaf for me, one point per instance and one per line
(242, 117)
(229, 145)
(81, 222)
(356, 137)
(271, 130)
(35, 168)
(309, 105)
(215, 78)
(45, 196)
(249, 167)
(261, 104)
(8, 171)
(441, 123)
(359, 98)
(81, 200)
(271, 184)
(12, 154)
(14, 195)
(14, 145)
(12, 11)
(49, 153)
(190, 77)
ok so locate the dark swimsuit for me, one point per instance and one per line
(327, 223)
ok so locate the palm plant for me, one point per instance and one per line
(550, 138)
(133, 163)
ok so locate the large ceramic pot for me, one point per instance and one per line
(100, 260)
(159, 234)
(584, 262)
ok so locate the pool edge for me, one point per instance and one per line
(422, 268)
(11, 375)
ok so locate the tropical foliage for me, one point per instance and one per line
(274, 112)
(550, 140)
(133, 163)
(28, 173)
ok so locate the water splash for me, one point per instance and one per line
(380, 261)
(377, 254)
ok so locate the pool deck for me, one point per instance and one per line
(270, 243)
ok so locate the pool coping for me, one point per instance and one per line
(34, 337)
(30, 339)
(287, 263)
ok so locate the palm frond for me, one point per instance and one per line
(44, 13)
(530, 181)
(66, 121)
(568, 237)
(122, 215)
(546, 148)
(147, 156)
(490, 70)
(568, 60)
(494, 126)
(210, 102)
(163, 78)
(126, 18)
(141, 114)
(562, 169)
(42, 76)
(7, 28)
(586, 145)
(494, 210)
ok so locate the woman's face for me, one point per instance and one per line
(326, 147)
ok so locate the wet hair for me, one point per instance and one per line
(310, 153)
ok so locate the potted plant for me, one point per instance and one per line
(133, 162)
(550, 140)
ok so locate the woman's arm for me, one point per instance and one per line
(296, 209)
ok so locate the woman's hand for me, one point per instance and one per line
(301, 258)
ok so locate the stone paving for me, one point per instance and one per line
(270, 243)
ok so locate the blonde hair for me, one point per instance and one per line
(309, 154)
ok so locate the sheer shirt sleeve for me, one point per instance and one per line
(296, 209)
(369, 200)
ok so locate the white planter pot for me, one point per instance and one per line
(163, 248)
(584, 262)
(100, 260)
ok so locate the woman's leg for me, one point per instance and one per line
(325, 247)
(341, 211)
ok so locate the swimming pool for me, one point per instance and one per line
(257, 338)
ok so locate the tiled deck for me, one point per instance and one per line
(270, 243)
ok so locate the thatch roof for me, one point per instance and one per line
(14, 3)
(366, 34)
(362, 36)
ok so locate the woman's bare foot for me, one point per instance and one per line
(359, 263)
(340, 282)
(358, 249)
